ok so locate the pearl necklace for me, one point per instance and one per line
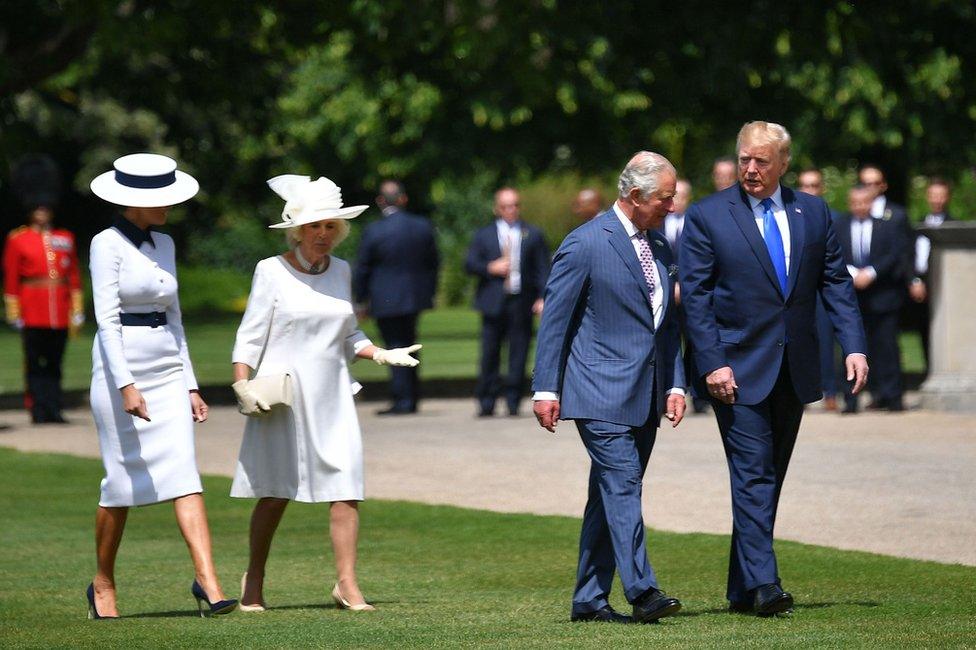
(308, 266)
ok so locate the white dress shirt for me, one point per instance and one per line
(779, 214)
(674, 223)
(657, 298)
(861, 230)
(923, 245)
(510, 243)
(878, 206)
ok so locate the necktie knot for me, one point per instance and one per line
(767, 204)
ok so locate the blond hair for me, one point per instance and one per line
(765, 133)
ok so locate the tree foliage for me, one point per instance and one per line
(462, 94)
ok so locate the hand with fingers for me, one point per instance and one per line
(397, 356)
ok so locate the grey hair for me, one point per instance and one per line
(294, 235)
(643, 172)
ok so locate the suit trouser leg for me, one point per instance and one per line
(401, 332)
(519, 338)
(884, 356)
(493, 332)
(612, 535)
(758, 441)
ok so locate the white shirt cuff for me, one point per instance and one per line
(852, 270)
(677, 391)
(545, 396)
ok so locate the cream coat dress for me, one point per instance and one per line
(302, 324)
(145, 462)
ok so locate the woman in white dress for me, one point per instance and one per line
(299, 320)
(144, 395)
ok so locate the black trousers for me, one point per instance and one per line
(400, 332)
(514, 325)
(884, 357)
(43, 351)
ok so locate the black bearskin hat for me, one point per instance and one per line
(36, 181)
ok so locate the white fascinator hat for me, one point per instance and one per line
(307, 201)
(145, 180)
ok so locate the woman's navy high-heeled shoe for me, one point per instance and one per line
(213, 609)
(92, 612)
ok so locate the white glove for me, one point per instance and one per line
(397, 356)
(78, 319)
(248, 403)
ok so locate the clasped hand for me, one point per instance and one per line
(247, 402)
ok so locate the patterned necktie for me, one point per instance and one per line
(774, 242)
(646, 261)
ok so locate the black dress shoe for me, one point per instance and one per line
(603, 615)
(771, 599)
(654, 604)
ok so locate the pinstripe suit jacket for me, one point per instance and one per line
(597, 345)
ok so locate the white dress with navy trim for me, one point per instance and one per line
(145, 462)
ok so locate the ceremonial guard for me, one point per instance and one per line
(42, 286)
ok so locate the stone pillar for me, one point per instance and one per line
(951, 384)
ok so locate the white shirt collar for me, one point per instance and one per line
(628, 224)
(777, 198)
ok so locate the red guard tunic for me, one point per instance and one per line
(42, 285)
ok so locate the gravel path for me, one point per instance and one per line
(901, 485)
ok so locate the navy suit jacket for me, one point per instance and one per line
(737, 314)
(534, 267)
(888, 256)
(396, 266)
(597, 345)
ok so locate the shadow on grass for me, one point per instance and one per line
(195, 614)
(848, 603)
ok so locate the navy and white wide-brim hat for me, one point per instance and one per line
(145, 180)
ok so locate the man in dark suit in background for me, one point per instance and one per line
(753, 259)
(723, 173)
(875, 253)
(587, 204)
(811, 181)
(395, 279)
(510, 259)
(917, 314)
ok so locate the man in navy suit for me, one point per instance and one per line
(396, 279)
(754, 258)
(511, 261)
(609, 357)
(875, 252)
(917, 314)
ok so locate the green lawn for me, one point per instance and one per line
(440, 576)
(450, 337)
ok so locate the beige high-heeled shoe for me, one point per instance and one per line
(260, 607)
(342, 603)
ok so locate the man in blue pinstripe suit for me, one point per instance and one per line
(608, 357)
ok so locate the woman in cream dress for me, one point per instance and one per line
(299, 320)
(143, 392)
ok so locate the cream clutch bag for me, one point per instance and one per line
(272, 389)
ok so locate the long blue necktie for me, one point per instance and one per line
(774, 242)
